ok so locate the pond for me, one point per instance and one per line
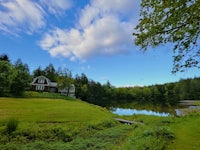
(128, 111)
(182, 109)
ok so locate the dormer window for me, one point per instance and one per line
(40, 80)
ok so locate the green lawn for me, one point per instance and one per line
(187, 132)
(51, 123)
(50, 110)
(57, 124)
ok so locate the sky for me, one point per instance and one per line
(93, 37)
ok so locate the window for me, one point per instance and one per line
(39, 87)
(40, 80)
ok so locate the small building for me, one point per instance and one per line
(42, 83)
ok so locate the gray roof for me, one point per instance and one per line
(53, 84)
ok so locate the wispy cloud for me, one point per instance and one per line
(104, 28)
(56, 7)
(28, 16)
(20, 15)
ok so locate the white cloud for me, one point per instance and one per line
(104, 28)
(28, 15)
(21, 15)
(116, 6)
(57, 6)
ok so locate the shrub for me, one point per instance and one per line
(11, 125)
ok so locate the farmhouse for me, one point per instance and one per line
(42, 83)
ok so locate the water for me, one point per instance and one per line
(128, 111)
(184, 111)
(181, 110)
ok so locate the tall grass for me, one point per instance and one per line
(11, 125)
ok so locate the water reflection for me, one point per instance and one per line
(127, 111)
(184, 111)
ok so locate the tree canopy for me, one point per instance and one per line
(171, 21)
(4, 57)
(7, 76)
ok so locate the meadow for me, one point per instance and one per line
(55, 123)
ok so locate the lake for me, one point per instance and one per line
(180, 110)
(128, 111)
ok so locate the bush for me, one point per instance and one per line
(11, 125)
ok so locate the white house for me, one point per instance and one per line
(42, 83)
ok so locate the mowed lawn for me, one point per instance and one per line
(187, 133)
(50, 110)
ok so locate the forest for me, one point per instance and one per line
(15, 80)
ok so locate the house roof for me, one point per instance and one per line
(52, 84)
(47, 83)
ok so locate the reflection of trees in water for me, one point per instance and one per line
(144, 106)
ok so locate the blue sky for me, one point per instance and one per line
(91, 36)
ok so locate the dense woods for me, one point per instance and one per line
(15, 79)
(165, 94)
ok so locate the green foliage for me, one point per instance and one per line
(22, 80)
(50, 73)
(168, 94)
(65, 80)
(34, 94)
(11, 125)
(43, 127)
(38, 72)
(171, 21)
(4, 57)
(14, 79)
(7, 76)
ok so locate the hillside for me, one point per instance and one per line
(51, 110)
(46, 123)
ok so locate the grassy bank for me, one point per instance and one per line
(50, 110)
(158, 133)
(43, 123)
(51, 123)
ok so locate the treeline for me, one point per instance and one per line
(15, 79)
(168, 94)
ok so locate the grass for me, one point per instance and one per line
(33, 94)
(198, 103)
(187, 131)
(11, 125)
(158, 133)
(52, 123)
(50, 111)
(57, 124)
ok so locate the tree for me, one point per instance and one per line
(171, 21)
(38, 72)
(50, 72)
(7, 76)
(4, 57)
(81, 83)
(22, 79)
(65, 79)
